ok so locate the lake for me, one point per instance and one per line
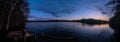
(70, 32)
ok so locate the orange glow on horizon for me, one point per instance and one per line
(102, 19)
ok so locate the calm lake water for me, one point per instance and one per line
(70, 32)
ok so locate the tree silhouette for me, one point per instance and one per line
(115, 21)
(13, 14)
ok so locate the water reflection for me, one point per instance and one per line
(73, 31)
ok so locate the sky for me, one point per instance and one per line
(66, 9)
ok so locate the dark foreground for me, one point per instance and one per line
(16, 35)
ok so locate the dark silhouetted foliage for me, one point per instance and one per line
(13, 15)
(14, 11)
(115, 20)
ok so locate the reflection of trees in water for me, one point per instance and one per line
(13, 14)
(91, 25)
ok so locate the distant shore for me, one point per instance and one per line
(86, 21)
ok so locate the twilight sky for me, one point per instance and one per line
(66, 9)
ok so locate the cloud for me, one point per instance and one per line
(56, 6)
